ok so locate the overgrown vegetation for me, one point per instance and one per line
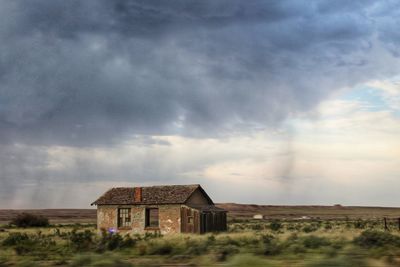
(248, 243)
(30, 220)
(375, 238)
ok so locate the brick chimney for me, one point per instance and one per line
(137, 194)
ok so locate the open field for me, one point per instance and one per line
(337, 212)
(235, 211)
(55, 215)
(330, 236)
(250, 243)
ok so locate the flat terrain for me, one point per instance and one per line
(55, 215)
(319, 243)
(235, 211)
(302, 236)
(337, 212)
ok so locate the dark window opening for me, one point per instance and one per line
(124, 217)
(190, 219)
(152, 217)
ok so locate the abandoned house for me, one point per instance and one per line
(164, 209)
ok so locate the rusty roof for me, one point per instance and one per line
(162, 194)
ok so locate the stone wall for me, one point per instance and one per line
(169, 218)
(138, 219)
(106, 217)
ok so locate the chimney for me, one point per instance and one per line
(137, 194)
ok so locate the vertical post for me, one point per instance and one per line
(398, 222)
(385, 222)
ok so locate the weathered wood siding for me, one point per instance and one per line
(197, 199)
(190, 225)
(213, 221)
(202, 221)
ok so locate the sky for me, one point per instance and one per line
(266, 102)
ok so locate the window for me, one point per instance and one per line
(190, 219)
(124, 217)
(152, 217)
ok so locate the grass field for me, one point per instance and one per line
(334, 240)
(247, 243)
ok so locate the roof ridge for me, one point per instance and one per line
(155, 194)
(196, 185)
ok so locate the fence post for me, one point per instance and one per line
(398, 221)
(386, 227)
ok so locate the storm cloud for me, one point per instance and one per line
(99, 73)
(92, 72)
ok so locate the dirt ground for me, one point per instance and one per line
(235, 211)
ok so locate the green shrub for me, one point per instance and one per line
(296, 248)
(360, 224)
(275, 225)
(227, 240)
(197, 247)
(374, 238)
(81, 240)
(313, 241)
(271, 245)
(149, 235)
(112, 241)
(310, 228)
(15, 238)
(257, 226)
(248, 240)
(24, 244)
(128, 242)
(224, 252)
(211, 239)
(30, 220)
(293, 227)
(160, 248)
(237, 227)
(266, 239)
(328, 226)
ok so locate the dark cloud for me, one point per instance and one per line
(97, 73)
(92, 72)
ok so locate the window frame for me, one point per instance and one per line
(124, 218)
(148, 221)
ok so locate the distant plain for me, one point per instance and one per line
(235, 211)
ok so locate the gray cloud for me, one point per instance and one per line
(96, 73)
(88, 73)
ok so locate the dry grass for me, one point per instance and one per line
(290, 245)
